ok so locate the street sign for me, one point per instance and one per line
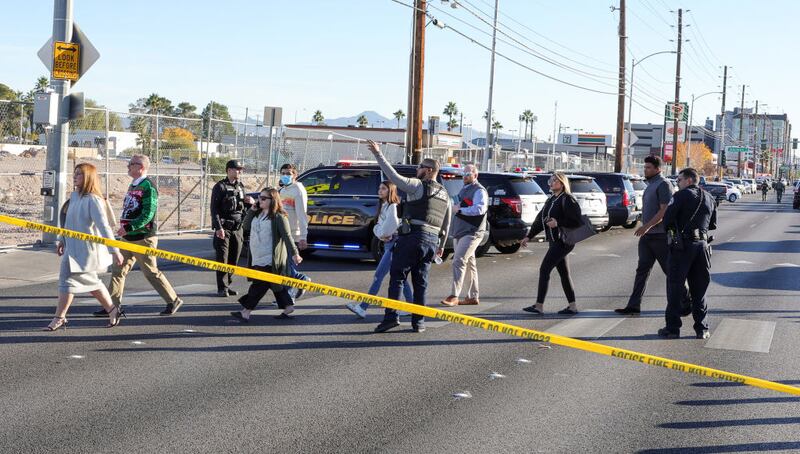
(680, 110)
(633, 138)
(732, 153)
(667, 152)
(273, 116)
(585, 140)
(66, 61)
(671, 130)
(88, 53)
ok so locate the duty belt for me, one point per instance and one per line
(695, 235)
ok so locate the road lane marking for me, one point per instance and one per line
(742, 262)
(441, 314)
(752, 225)
(587, 325)
(742, 335)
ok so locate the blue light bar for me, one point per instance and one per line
(321, 245)
(351, 246)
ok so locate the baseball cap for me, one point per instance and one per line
(234, 164)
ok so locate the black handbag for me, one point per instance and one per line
(572, 236)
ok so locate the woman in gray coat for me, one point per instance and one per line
(81, 261)
(271, 244)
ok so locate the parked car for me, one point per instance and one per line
(514, 202)
(718, 190)
(639, 186)
(342, 205)
(753, 187)
(620, 198)
(737, 183)
(589, 195)
(733, 193)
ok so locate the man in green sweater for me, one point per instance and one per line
(138, 226)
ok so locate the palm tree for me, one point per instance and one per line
(187, 109)
(527, 117)
(399, 115)
(450, 110)
(496, 126)
(451, 124)
(362, 121)
(318, 118)
(486, 114)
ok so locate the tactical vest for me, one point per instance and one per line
(429, 210)
(232, 203)
(463, 224)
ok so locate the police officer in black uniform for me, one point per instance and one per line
(690, 215)
(422, 234)
(228, 206)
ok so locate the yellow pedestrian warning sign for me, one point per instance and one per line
(66, 60)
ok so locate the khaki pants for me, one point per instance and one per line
(464, 261)
(149, 268)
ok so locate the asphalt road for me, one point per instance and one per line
(325, 383)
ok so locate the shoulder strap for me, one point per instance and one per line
(689, 222)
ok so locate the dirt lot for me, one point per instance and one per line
(21, 180)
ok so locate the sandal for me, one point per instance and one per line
(56, 324)
(114, 320)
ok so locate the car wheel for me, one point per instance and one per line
(508, 249)
(630, 225)
(482, 250)
(732, 198)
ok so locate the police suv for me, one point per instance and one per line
(343, 205)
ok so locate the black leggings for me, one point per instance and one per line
(556, 257)
(259, 288)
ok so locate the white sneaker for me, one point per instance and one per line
(356, 309)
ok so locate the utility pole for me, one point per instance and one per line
(741, 134)
(487, 156)
(555, 137)
(621, 96)
(755, 139)
(721, 159)
(57, 150)
(677, 92)
(415, 84)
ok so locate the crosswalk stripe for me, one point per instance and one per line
(742, 335)
(467, 310)
(587, 324)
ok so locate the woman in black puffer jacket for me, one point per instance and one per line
(561, 209)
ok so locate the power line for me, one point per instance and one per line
(655, 12)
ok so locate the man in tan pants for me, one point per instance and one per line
(138, 226)
(468, 229)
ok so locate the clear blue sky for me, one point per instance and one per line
(343, 57)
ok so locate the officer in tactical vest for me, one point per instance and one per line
(422, 234)
(228, 206)
(690, 215)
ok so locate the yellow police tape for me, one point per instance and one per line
(487, 325)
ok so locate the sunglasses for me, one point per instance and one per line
(424, 167)
(131, 164)
(262, 198)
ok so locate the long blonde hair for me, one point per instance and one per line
(91, 181)
(562, 177)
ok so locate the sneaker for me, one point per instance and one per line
(418, 328)
(356, 309)
(301, 291)
(627, 310)
(704, 334)
(386, 325)
(668, 334)
(172, 307)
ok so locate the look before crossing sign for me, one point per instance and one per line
(66, 60)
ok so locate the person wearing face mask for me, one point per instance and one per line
(295, 203)
(228, 206)
(468, 230)
(422, 234)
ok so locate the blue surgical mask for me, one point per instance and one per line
(286, 180)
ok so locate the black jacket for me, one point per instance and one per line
(683, 205)
(564, 209)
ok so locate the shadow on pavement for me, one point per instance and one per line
(745, 447)
(756, 400)
(723, 384)
(777, 278)
(780, 247)
(730, 423)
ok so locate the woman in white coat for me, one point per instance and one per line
(385, 229)
(81, 261)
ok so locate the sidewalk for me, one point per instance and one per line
(20, 267)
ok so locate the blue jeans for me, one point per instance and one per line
(382, 270)
(414, 254)
(293, 273)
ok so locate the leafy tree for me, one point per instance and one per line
(179, 143)
(7, 93)
(450, 110)
(486, 114)
(362, 121)
(318, 118)
(218, 128)
(399, 115)
(496, 126)
(700, 155)
(186, 110)
(95, 120)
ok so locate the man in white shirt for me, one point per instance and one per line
(295, 202)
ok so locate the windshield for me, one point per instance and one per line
(639, 185)
(525, 186)
(584, 185)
